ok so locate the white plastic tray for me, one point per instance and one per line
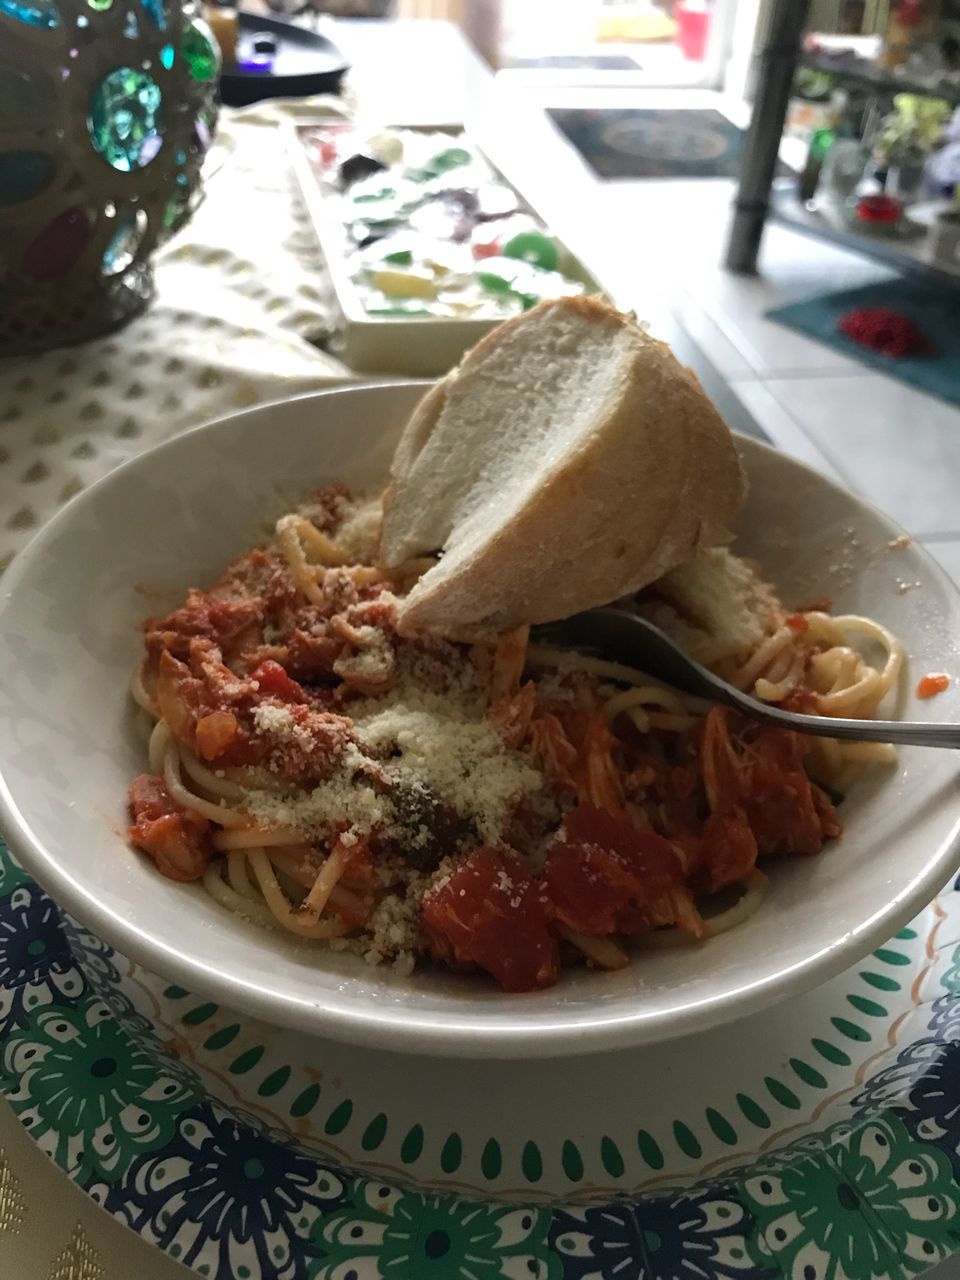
(416, 346)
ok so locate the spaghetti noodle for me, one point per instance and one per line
(507, 808)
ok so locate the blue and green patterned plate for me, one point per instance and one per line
(819, 1141)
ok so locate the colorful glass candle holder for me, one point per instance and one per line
(106, 111)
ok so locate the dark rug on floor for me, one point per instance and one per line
(936, 312)
(627, 142)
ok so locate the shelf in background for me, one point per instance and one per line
(909, 256)
(863, 71)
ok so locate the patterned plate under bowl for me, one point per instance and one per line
(815, 1141)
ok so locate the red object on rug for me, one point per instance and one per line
(888, 332)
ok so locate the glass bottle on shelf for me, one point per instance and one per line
(845, 162)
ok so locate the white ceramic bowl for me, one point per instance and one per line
(175, 516)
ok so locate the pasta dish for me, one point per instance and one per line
(494, 806)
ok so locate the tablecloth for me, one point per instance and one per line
(242, 298)
(241, 292)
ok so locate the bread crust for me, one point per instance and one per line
(657, 477)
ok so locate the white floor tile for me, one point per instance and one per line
(712, 341)
(948, 553)
(898, 447)
(781, 428)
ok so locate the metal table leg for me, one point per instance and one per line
(778, 61)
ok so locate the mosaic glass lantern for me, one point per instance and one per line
(106, 112)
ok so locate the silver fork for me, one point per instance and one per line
(625, 637)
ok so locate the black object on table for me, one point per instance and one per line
(778, 61)
(299, 62)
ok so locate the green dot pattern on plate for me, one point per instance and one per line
(880, 981)
(274, 1082)
(870, 1008)
(649, 1149)
(220, 1039)
(852, 1030)
(374, 1133)
(412, 1145)
(780, 1093)
(339, 1118)
(305, 1101)
(491, 1160)
(202, 1013)
(200, 52)
(721, 1127)
(809, 1075)
(687, 1140)
(831, 1053)
(247, 1061)
(886, 956)
(572, 1161)
(175, 993)
(126, 119)
(610, 1157)
(531, 1162)
(451, 1154)
(753, 1111)
(907, 934)
(33, 13)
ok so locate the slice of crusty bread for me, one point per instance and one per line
(567, 461)
(715, 605)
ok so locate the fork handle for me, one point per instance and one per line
(901, 732)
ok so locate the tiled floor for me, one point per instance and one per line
(662, 247)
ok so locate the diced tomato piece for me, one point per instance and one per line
(491, 914)
(797, 623)
(273, 680)
(603, 875)
(176, 838)
(215, 732)
(728, 850)
(778, 796)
